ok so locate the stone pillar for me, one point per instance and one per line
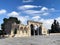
(29, 30)
(44, 31)
(12, 33)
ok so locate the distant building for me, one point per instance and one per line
(19, 30)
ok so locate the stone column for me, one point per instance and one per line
(29, 30)
(12, 33)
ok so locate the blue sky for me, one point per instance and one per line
(44, 11)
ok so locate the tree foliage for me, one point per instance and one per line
(5, 20)
(14, 19)
(55, 27)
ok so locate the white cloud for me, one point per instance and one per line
(36, 18)
(46, 13)
(23, 19)
(47, 23)
(29, 9)
(52, 9)
(36, 12)
(27, 1)
(44, 9)
(13, 14)
(58, 19)
(32, 12)
(24, 7)
(3, 11)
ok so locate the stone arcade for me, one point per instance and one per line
(31, 29)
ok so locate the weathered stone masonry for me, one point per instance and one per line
(31, 29)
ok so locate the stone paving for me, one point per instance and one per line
(34, 40)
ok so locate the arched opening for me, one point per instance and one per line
(32, 29)
(15, 31)
(40, 30)
(36, 29)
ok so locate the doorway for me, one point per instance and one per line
(32, 29)
(35, 30)
(15, 31)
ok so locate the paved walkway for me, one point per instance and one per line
(34, 40)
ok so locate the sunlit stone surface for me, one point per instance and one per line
(34, 40)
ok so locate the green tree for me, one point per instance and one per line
(5, 20)
(14, 19)
(55, 27)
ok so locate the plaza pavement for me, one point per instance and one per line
(34, 40)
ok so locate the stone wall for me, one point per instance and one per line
(22, 31)
(25, 30)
